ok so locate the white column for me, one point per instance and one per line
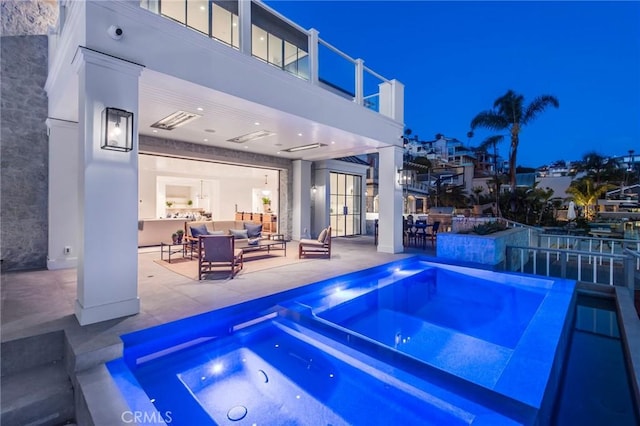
(313, 56)
(321, 199)
(244, 20)
(63, 194)
(390, 197)
(107, 192)
(301, 198)
(392, 100)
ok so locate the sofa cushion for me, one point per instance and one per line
(322, 236)
(239, 233)
(253, 230)
(198, 230)
(217, 233)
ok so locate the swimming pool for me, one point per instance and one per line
(423, 342)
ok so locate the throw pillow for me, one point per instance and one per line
(322, 236)
(216, 232)
(254, 230)
(238, 233)
(253, 241)
(198, 230)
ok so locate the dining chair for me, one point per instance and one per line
(433, 232)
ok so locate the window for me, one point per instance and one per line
(174, 10)
(197, 15)
(225, 26)
(259, 43)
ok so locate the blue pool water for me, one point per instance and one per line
(423, 343)
(596, 362)
(463, 303)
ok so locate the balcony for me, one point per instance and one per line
(256, 30)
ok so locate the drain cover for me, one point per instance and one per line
(237, 413)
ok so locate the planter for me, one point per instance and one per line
(481, 249)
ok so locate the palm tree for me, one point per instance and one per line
(510, 113)
(492, 141)
(586, 193)
(598, 165)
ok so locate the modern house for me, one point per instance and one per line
(162, 110)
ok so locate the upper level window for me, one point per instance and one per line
(224, 23)
(174, 10)
(198, 15)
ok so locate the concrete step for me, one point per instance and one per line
(41, 395)
(35, 388)
(29, 352)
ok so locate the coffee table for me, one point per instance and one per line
(265, 245)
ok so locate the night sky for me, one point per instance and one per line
(455, 58)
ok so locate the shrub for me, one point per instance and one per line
(488, 228)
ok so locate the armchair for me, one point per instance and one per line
(321, 246)
(216, 251)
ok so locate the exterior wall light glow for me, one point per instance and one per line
(406, 177)
(117, 130)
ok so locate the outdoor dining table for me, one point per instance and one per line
(418, 233)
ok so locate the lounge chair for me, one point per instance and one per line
(215, 251)
(321, 246)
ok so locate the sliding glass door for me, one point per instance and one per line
(345, 204)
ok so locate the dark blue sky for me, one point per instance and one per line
(455, 58)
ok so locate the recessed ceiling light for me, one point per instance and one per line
(299, 134)
(332, 142)
(303, 147)
(278, 152)
(154, 131)
(200, 109)
(206, 140)
(201, 7)
(257, 123)
(261, 38)
(246, 147)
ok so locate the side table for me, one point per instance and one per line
(172, 248)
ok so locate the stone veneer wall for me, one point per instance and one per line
(24, 149)
(24, 152)
(161, 146)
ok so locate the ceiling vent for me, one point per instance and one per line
(251, 136)
(177, 119)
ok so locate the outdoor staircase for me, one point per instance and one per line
(36, 389)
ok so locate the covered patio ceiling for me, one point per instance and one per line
(223, 117)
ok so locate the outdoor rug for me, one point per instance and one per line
(253, 262)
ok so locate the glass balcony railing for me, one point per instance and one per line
(283, 44)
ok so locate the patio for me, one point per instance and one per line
(37, 302)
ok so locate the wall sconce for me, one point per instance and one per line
(314, 189)
(117, 130)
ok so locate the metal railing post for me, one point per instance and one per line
(359, 98)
